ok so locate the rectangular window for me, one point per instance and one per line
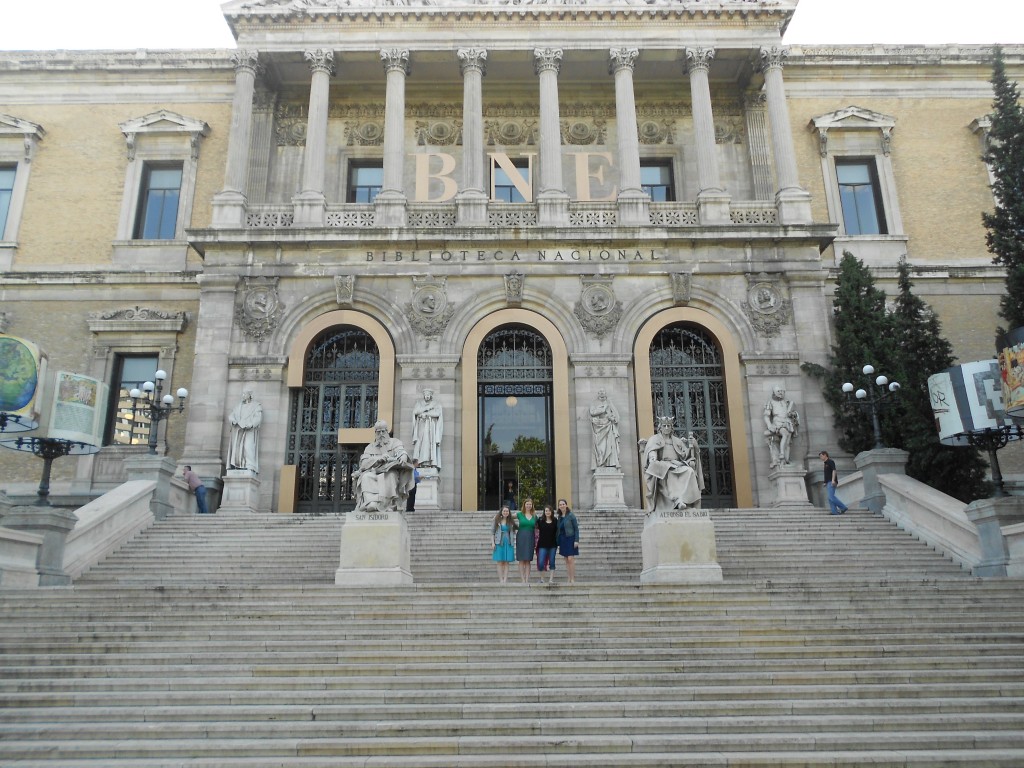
(157, 217)
(656, 180)
(6, 193)
(504, 188)
(130, 371)
(364, 182)
(860, 196)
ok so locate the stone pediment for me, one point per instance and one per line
(238, 8)
(164, 122)
(11, 125)
(854, 118)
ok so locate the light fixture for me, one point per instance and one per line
(511, 401)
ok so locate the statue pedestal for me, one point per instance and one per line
(607, 489)
(375, 550)
(790, 486)
(679, 548)
(427, 492)
(241, 491)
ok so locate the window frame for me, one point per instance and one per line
(523, 162)
(117, 383)
(19, 142)
(351, 189)
(146, 189)
(871, 166)
(663, 163)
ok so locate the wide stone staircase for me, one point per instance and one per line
(222, 641)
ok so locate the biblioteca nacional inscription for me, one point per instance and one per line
(538, 255)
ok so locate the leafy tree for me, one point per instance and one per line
(1005, 225)
(907, 346)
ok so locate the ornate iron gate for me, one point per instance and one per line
(514, 398)
(688, 383)
(339, 392)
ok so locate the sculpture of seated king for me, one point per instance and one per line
(385, 474)
(672, 468)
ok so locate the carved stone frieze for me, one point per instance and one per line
(258, 308)
(580, 133)
(730, 130)
(345, 289)
(137, 314)
(515, 282)
(429, 312)
(365, 134)
(660, 131)
(766, 307)
(512, 133)
(597, 308)
(438, 133)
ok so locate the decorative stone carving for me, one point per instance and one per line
(773, 57)
(662, 131)
(139, 314)
(514, 284)
(439, 133)
(320, 60)
(545, 59)
(395, 58)
(673, 476)
(597, 309)
(698, 58)
(162, 123)
(345, 287)
(510, 133)
(427, 430)
(247, 59)
(429, 312)
(682, 287)
(604, 422)
(730, 130)
(472, 58)
(5, 321)
(244, 448)
(765, 307)
(579, 132)
(258, 309)
(782, 424)
(385, 474)
(365, 134)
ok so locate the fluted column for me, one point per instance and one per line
(311, 204)
(793, 201)
(391, 201)
(552, 200)
(633, 202)
(471, 201)
(229, 204)
(712, 199)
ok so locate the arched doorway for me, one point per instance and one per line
(688, 366)
(688, 383)
(515, 410)
(339, 392)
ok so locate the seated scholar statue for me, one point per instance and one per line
(673, 474)
(781, 425)
(385, 474)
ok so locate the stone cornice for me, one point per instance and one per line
(911, 55)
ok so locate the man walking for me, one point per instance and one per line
(197, 487)
(831, 481)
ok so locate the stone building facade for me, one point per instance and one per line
(515, 205)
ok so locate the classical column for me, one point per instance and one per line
(634, 203)
(391, 201)
(552, 200)
(310, 204)
(755, 112)
(712, 199)
(793, 201)
(262, 144)
(229, 203)
(471, 201)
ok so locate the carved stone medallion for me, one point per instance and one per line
(767, 309)
(429, 312)
(597, 309)
(258, 308)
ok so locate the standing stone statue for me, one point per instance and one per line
(244, 449)
(604, 419)
(673, 474)
(782, 423)
(427, 430)
(385, 474)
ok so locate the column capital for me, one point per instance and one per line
(395, 60)
(698, 59)
(773, 58)
(247, 60)
(320, 61)
(621, 58)
(547, 60)
(472, 59)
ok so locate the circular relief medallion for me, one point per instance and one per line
(430, 300)
(764, 298)
(260, 303)
(598, 299)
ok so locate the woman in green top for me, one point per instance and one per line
(525, 539)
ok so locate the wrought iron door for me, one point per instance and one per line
(514, 398)
(339, 392)
(688, 383)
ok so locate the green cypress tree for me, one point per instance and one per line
(959, 472)
(1005, 225)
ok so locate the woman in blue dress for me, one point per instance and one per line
(501, 537)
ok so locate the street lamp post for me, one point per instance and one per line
(155, 406)
(871, 400)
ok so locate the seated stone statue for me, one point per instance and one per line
(385, 474)
(672, 468)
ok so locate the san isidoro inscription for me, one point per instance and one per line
(533, 255)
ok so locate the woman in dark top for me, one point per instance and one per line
(568, 538)
(527, 520)
(547, 543)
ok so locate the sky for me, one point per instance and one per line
(101, 24)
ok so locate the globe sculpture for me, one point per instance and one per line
(19, 375)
